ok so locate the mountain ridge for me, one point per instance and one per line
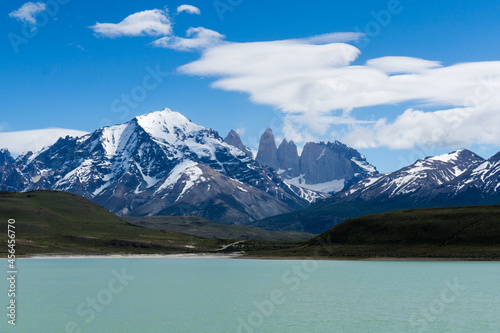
(460, 178)
(159, 158)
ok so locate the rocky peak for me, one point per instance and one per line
(5, 157)
(268, 153)
(234, 139)
(288, 159)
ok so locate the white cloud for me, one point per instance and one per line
(153, 22)
(201, 39)
(402, 65)
(335, 37)
(28, 12)
(314, 83)
(188, 9)
(34, 140)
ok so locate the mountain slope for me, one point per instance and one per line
(416, 179)
(163, 163)
(479, 183)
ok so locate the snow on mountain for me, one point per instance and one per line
(416, 179)
(483, 178)
(162, 158)
(327, 187)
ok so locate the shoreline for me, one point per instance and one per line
(436, 259)
(135, 256)
(241, 255)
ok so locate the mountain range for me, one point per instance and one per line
(456, 179)
(160, 163)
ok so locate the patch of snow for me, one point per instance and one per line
(326, 187)
(322, 154)
(115, 138)
(175, 175)
(150, 181)
(447, 157)
(306, 194)
(100, 189)
(194, 173)
(364, 165)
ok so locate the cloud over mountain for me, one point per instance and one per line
(34, 140)
(317, 85)
(317, 82)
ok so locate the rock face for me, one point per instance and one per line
(10, 178)
(288, 159)
(325, 167)
(320, 164)
(158, 163)
(234, 139)
(268, 153)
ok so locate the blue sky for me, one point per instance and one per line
(67, 71)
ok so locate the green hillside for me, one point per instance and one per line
(60, 222)
(454, 232)
(197, 226)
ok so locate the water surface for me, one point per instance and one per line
(230, 295)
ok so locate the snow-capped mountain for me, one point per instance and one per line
(460, 178)
(324, 167)
(417, 179)
(485, 177)
(162, 163)
(479, 183)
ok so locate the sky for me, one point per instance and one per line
(396, 79)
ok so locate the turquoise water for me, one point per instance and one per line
(228, 295)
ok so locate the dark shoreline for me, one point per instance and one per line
(238, 255)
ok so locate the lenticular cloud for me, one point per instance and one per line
(314, 79)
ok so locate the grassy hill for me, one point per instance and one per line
(197, 226)
(453, 232)
(50, 222)
(60, 222)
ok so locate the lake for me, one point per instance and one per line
(240, 295)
